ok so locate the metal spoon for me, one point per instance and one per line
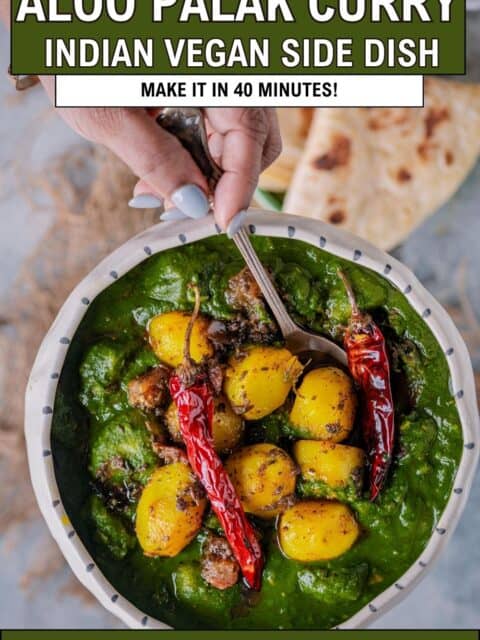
(187, 124)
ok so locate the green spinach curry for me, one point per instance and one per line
(107, 445)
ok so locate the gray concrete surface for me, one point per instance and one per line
(448, 597)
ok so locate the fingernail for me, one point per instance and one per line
(191, 200)
(236, 223)
(145, 201)
(173, 214)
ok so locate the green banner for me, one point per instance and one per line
(245, 635)
(232, 36)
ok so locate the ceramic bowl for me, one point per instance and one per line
(40, 396)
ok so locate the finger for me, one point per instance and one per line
(215, 146)
(164, 167)
(273, 144)
(172, 215)
(244, 134)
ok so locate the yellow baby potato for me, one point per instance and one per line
(169, 512)
(264, 477)
(337, 465)
(325, 405)
(167, 337)
(315, 530)
(259, 381)
(227, 427)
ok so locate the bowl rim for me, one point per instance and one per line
(42, 386)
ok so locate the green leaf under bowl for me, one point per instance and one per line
(269, 200)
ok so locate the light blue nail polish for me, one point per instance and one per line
(172, 214)
(191, 200)
(145, 201)
(236, 223)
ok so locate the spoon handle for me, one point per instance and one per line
(286, 324)
(188, 125)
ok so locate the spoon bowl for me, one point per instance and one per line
(308, 346)
(188, 125)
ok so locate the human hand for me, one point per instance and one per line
(244, 141)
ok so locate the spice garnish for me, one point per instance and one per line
(370, 368)
(191, 391)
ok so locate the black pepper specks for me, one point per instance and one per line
(47, 411)
(291, 232)
(357, 255)
(387, 269)
(114, 275)
(183, 238)
(148, 251)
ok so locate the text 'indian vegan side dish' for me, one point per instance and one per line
(220, 482)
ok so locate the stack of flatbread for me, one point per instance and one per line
(378, 172)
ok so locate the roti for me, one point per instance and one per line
(379, 172)
(294, 126)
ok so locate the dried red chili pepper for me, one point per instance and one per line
(370, 368)
(192, 394)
